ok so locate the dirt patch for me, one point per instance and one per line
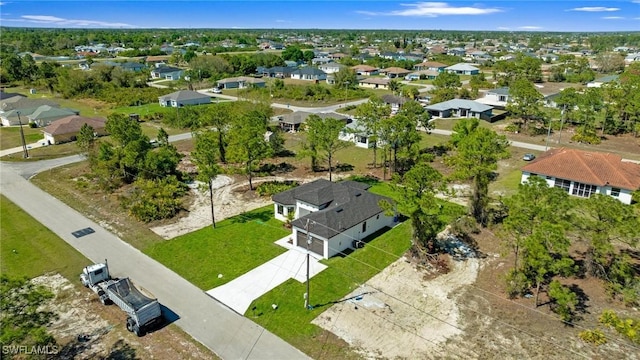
(86, 329)
(230, 197)
(397, 314)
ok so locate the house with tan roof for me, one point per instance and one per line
(365, 70)
(395, 72)
(67, 128)
(374, 83)
(583, 173)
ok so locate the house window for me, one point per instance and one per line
(583, 190)
(291, 210)
(502, 98)
(563, 184)
(364, 226)
(615, 192)
(280, 209)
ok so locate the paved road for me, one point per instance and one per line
(229, 335)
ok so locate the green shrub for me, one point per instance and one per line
(627, 327)
(517, 284)
(273, 187)
(595, 337)
(155, 199)
(564, 300)
(512, 128)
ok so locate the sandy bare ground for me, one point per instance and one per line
(401, 315)
(227, 200)
(86, 329)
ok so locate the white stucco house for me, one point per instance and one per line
(354, 132)
(336, 215)
(582, 173)
(498, 98)
(184, 97)
(462, 69)
(309, 74)
(461, 108)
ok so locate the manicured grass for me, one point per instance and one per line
(10, 136)
(344, 274)
(46, 152)
(37, 249)
(292, 321)
(235, 246)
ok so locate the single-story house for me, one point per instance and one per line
(603, 80)
(457, 51)
(374, 83)
(422, 74)
(394, 101)
(184, 97)
(583, 173)
(309, 74)
(395, 72)
(158, 59)
(430, 65)
(20, 102)
(354, 132)
(279, 72)
(460, 108)
(331, 68)
(67, 128)
(321, 60)
(498, 98)
(7, 98)
(46, 114)
(463, 69)
(332, 216)
(167, 72)
(240, 82)
(293, 121)
(365, 70)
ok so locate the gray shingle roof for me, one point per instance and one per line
(183, 95)
(46, 111)
(499, 91)
(27, 103)
(460, 104)
(309, 71)
(348, 203)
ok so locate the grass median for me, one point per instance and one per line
(30, 249)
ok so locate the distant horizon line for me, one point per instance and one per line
(318, 29)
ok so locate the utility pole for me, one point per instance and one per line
(306, 295)
(564, 108)
(25, 153)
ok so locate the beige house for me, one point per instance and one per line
(374, 83)
(67, 129)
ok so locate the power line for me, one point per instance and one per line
(392, 296)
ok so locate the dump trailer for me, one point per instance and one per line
(142, 311)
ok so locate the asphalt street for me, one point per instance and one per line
(228, 334)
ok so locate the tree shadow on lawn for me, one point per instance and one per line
(259, 216)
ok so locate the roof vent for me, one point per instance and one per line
(339, 210)
(358, 194)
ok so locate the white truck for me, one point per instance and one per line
(142, 311)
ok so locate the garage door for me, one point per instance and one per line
(316, 246)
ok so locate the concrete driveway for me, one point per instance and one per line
(240, 293)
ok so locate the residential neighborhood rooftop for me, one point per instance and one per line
(587, 167)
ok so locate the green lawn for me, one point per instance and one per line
(344, 274)
(292, 321)
(235, 246)
(37, 249)
(46, 152)
(10, 136)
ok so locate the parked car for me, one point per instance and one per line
(528, 157)
(216, 90)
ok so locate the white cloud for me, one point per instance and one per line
(434, 9)
(594, 9)
(56, 21)
(530, 27)
(612, 17)
(283, 21)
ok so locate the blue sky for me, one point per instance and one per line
(514, 15)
